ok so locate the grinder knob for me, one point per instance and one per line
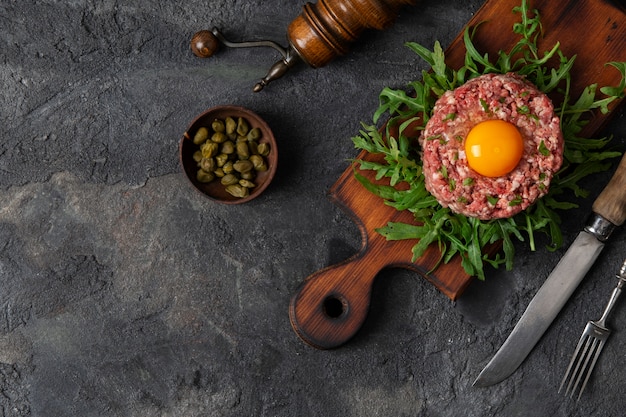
(204, 44)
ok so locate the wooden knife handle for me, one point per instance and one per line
(611, 203)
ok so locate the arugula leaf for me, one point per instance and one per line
(620, 90)
(456, 234)
(396, 101)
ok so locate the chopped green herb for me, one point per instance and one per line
(444, 171)
(454, 233)
(450, 116)
(543, 149)
(516, 201)
(492, 200)
(485, 106)
(468, 181)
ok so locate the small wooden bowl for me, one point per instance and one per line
(214, 189)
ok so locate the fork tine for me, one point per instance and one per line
(590, 347)
(573, 362)
(599, 347)
(577, 359)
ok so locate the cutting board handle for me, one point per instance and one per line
(332, 304)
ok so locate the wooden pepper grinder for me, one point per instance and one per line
(321, 32)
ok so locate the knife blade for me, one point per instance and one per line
(608, 212)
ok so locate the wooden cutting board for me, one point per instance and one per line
(332, 304)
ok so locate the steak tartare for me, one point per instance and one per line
(448, 175)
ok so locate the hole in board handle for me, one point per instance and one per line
(335, 306)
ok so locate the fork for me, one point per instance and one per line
(590, 344)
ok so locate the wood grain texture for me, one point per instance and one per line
(611, 203)
(332, 304)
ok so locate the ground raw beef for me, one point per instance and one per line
(507, 97)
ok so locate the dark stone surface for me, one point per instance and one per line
(125, 293)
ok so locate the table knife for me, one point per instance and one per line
(608, 212)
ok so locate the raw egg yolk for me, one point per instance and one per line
(493, 148)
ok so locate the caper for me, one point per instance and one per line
(253, 146)
(219, 137)
(219, 172)
(228, 147)
(201, 136)
(197, 156)
(243, 166)
(242, 138)
(221, 159)
(243, 152)
(246, 183)
(263, 149)
(258, 162)
(218, 125)
(248, 175)
(209, 149)
(231, 125)
(207, 164)
(237, 190)
(204, 176)
(228, 167)
(229, 179)
(242, 126)
(254, 134)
